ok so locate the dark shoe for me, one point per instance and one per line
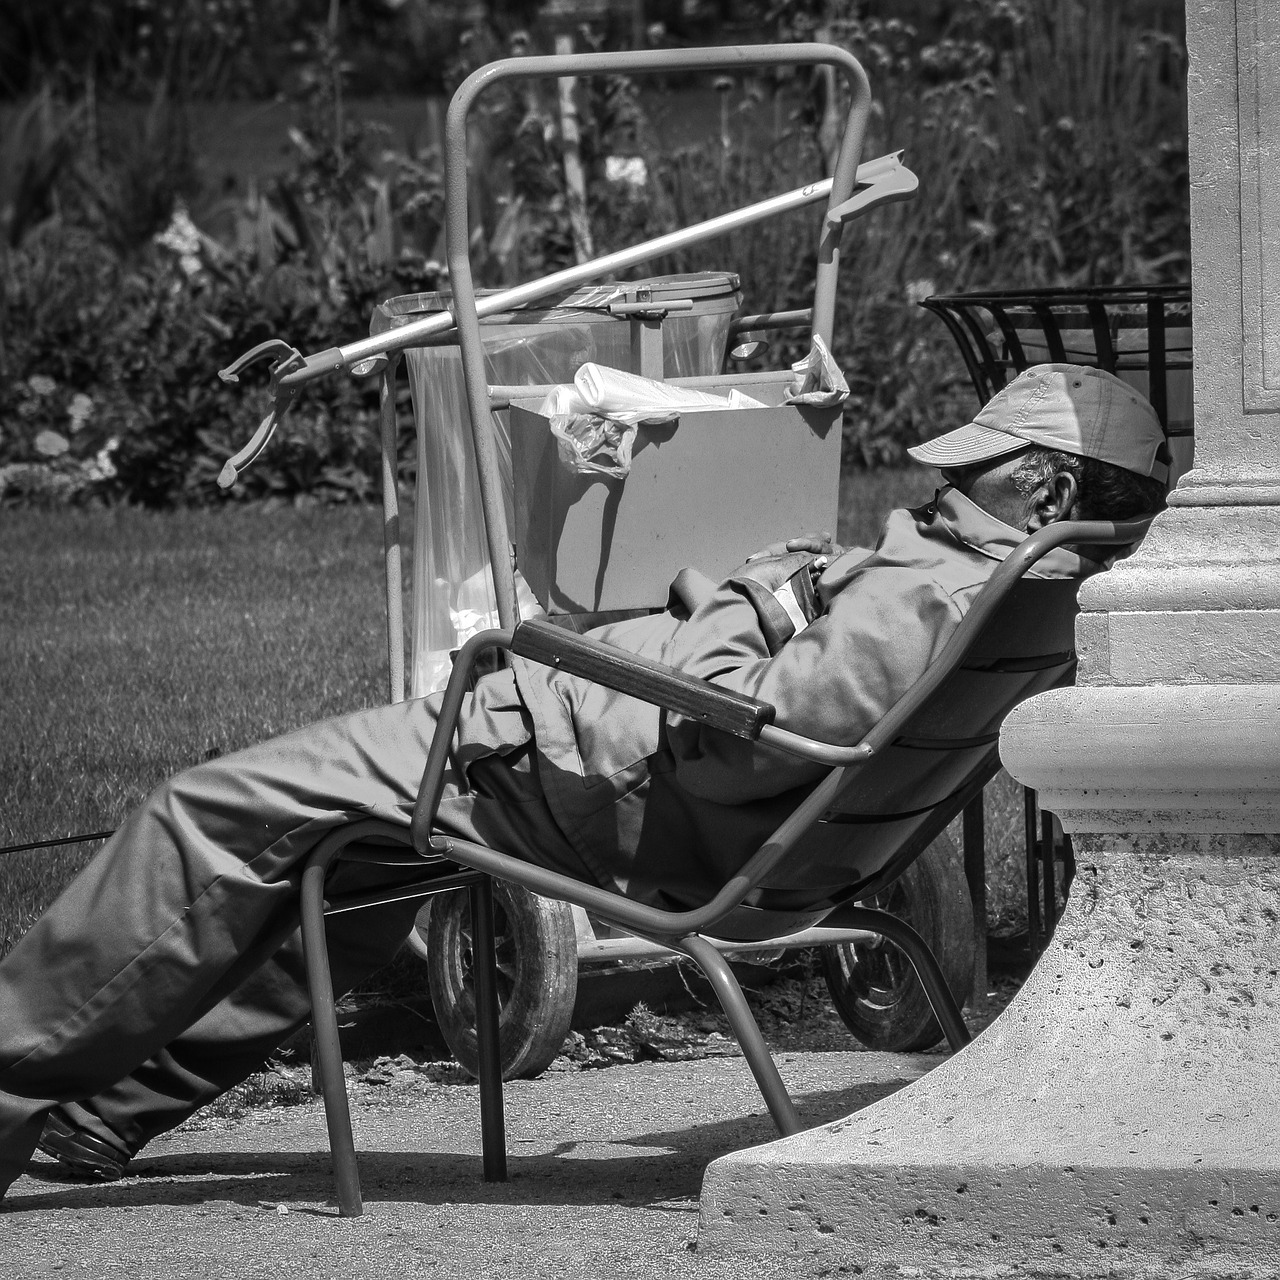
(81, 1152)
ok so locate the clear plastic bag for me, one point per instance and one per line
(819, 381)
(594, 421)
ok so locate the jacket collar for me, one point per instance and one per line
(953, 516)
(931, 535)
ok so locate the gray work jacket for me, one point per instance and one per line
(665, 809)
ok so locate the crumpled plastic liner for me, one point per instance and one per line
(595, 420)
(588, 444)
(819, 381)
(472, 607)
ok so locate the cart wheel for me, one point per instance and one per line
(537, 956)
(874, 987)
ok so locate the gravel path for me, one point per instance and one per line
(605, 1166)
(606, 1153)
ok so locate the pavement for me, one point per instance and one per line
(605, 1171)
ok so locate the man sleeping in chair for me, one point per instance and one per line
(171, 967)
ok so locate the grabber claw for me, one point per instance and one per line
(290, 358)
(238, 462)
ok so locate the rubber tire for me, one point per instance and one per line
(537, 954)
(874, 987)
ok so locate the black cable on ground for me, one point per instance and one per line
(53, 844)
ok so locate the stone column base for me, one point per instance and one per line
(1122, 1116)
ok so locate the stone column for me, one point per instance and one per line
(1122, 1117)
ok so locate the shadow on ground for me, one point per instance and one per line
(640, 1168)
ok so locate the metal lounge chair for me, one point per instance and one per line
(884, 799)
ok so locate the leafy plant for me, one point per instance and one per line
(37, 149)
(126, 47)
(1049, 137)
(142, 343)
(361, 214)
(99, 310)
(143, 169)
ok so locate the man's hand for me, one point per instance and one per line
(818, 543)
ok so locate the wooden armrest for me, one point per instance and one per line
(642, 678)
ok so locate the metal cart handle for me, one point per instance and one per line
(457, 224)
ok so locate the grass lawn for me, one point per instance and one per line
(135, 643)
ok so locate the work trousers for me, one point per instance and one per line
(172, 966)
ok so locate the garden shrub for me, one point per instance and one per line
(113, 326)
(1050, 141)
(1049, 136)
(109, 387)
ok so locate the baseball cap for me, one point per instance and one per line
(1069, 407)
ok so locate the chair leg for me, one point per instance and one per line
(975, 873)
(741, 1019)
(493, 1138)
(324, 1025)
(1030, 819)
(914, 947)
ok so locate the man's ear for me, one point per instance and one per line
(1052, 501)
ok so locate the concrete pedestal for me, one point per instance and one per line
(1122, 1117)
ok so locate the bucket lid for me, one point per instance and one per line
(696, 285)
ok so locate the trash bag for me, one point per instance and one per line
(594, 421)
